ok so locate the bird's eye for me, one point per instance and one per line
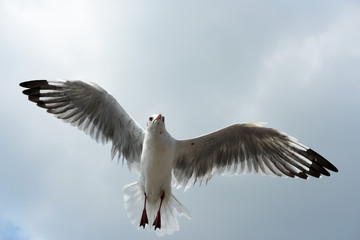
(163, 119)
(151, 118)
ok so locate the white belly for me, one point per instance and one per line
(156, 169)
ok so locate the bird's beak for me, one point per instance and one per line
(158, 117)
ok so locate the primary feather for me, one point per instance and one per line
(93, 110)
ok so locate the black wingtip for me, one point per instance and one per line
(33, 83)
(322, 161)
(318, 168)
(302, 175)
(41, 104)
(31, 91)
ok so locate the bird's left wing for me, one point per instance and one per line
(245, 148)
(93, 110)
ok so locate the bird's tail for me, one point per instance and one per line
(171, 208)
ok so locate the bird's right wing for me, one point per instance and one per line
(93, 110)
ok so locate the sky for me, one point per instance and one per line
(204, 65)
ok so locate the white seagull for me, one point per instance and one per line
(163, 160)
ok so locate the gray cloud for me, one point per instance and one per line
(203, 64)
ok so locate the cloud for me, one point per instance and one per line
(306, 70)
(203, 64)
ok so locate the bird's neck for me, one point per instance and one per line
(157, 136)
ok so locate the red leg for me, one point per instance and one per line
(157, 221)
(144, 219)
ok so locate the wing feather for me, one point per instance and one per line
(93, 110)
(245, 148)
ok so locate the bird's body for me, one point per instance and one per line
(162, 160)
(156, 162)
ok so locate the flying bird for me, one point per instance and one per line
(163, 161)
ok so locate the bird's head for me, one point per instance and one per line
(156, 123)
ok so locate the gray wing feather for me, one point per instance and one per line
(93, 110)
(245, 148)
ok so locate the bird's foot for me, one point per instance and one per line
(144, 219)
(157, 221)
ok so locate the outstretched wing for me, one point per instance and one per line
(245, 148)
(93, 110)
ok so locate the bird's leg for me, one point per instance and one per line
(144, 219)
(157, 221)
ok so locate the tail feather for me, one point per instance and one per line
(170, 210)
(133, 202)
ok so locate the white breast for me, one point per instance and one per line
(156, 165)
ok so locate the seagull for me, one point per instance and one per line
(163, 161)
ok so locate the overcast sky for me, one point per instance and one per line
(204, 65)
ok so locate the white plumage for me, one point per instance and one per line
(162, 160)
